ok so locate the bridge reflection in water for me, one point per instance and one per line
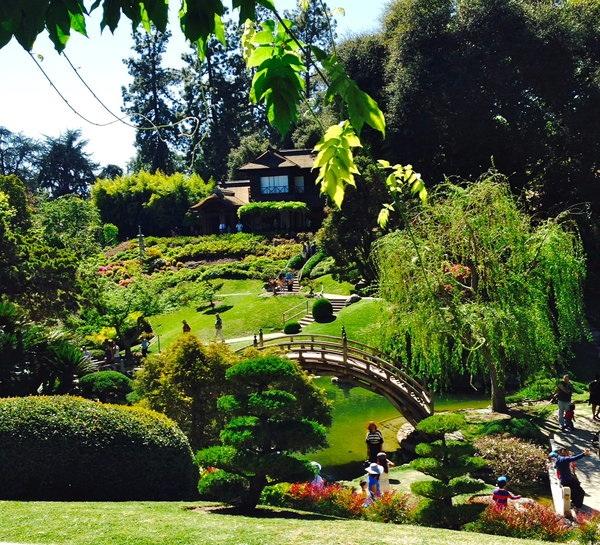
(356, 362)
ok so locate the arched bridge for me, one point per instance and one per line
(355, 362)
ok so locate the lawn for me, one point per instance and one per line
(162, 523)
(362, 321)
(329, 285)
(242, 309)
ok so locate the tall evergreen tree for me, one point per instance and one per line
(19, 155)
(216, 93)
(150, 101)
(314, 26)
(64, 165)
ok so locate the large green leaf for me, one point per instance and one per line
(58, 23)
(248, 8)
(335, 161)
(361, 107)
(31, 21)
(111, 14)
(197, 18)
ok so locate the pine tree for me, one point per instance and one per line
(150, 101)
(215, 91)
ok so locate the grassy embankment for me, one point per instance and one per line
(146, 523)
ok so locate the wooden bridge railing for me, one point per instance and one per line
(342, 356)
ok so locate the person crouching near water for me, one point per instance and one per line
(374, 440)
(500, 495)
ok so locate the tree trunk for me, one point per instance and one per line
(498, 390)
(251, 498)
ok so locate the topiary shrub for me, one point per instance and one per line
(295, 262)
(68, 448)
(106, 386)
(291, 328)
(312, 263)
(322, 310)
(326, 266)
(449, 463)
(517, 427)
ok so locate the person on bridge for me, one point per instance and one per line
(374, 442)
(566, 474)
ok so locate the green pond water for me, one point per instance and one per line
(353, 408)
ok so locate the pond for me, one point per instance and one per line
(353, 408)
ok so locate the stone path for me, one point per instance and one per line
(588, 468)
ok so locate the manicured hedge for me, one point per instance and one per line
(106, 386)
(312, 263)
(270, 208)
(295, 262)
(322, 310)
(69, 448)
(291, 328)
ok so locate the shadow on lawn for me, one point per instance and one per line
(261, 513)
(220, 309)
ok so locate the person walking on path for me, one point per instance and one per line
(186, 327)
(566, 475)
(500, 495)
(384, 478)
(563, 395)
(219, 328)
(374, 440)
(594, 389)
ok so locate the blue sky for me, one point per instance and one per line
(29, 105)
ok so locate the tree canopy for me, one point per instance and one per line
(477, 287)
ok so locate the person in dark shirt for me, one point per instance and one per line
(594, 390)
(563, 395)
(567, 477)
(500, 495)
(374, 440)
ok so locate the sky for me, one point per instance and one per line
(29, 105)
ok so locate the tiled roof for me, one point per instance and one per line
(219, 194)
(294, 158)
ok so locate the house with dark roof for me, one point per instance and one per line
(276, 176)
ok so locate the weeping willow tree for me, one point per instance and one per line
(476, 287)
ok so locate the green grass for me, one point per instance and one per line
(361, 320)
(242, 309)
(330, 285)
(149, 523)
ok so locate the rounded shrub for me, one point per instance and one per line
(295, 262)
(291, 328)
(69, 448)
(106, 386)
(322, 310)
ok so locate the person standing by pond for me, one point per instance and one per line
(384, 478)
(374, 440)
(563, 395)
(594, 389)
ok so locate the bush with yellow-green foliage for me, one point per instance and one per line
(156, 202)
(68, 448)
(184, 383)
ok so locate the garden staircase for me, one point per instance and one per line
(338, 302)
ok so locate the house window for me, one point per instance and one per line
(273, 184)
(299, 184)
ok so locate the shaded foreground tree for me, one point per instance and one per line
(184, 383)
(274, 413)
(477, 288)
(450, 463)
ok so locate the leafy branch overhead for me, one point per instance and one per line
(277, 57)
